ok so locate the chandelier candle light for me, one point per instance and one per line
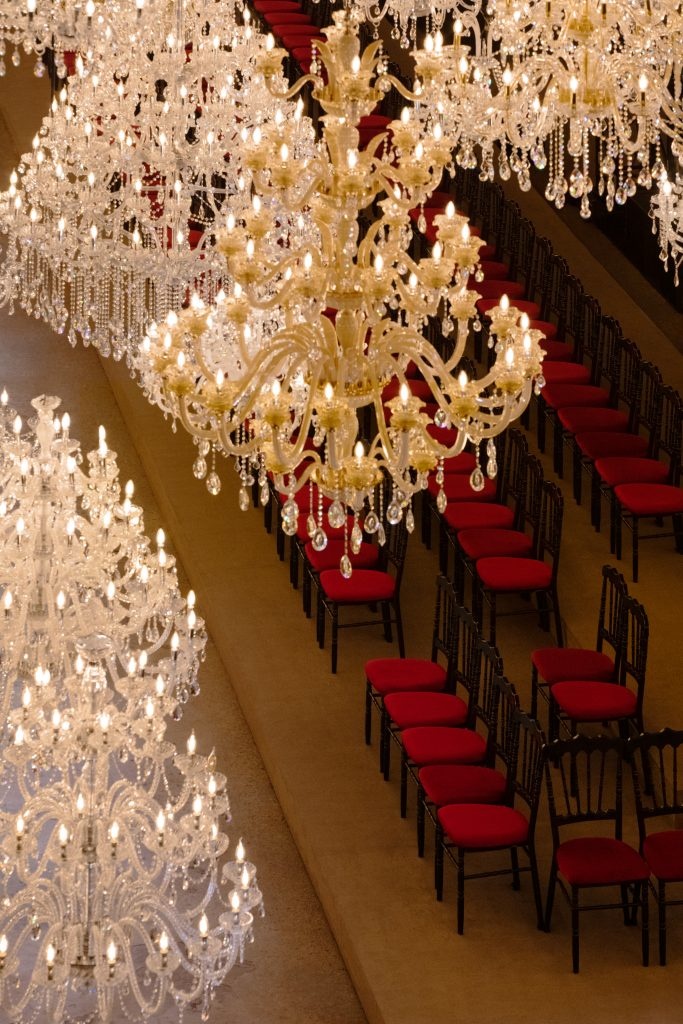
(301, 369)
(112, 903)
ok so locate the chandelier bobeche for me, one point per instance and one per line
(111, 842)
(313, 334)
(109, 220)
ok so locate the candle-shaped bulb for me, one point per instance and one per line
(192, 744)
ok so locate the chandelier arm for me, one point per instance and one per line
(290, 93)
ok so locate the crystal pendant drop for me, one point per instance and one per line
(393, 513)
(345, 567)
(290, 510)
(244, 499)
(311, 525)
(289, 526)
(213, 483)
(356, 538)
(199, 468)
(477, 479)
(381, 535)
(441, 501)
(264, 494)
(336, 515)
(319, 540)
(410, 521)
(371, 524)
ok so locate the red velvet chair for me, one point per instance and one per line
(659, 756)
(485, 827)
(381, 586)
(537, 575)
(551, 665)
(584, 778)
(490, 782)
(384, 676)
(578, 701)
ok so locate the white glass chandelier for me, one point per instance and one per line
(284, 369)
(112, 904)
(109, 220)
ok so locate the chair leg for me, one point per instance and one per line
(558, 617)
(492, 620)
(678, 533)
(576, 473)
(645, 922)
(320, 620)
(426, 524)
(575, 929)
(294, 563)
(514, 858)
(386, 619)
(399, 630)
(421, 815)
(543, 610)
(558, 447)
(460, 865)
(536, 886)
(661, 913)
(404, 783)
(534, 691)
(550, 899)
(596, 497)
(384, 745)
(368, 714)
(634, 542)
(306, 586)
(335, 636)
(438, 862)
(540, 423)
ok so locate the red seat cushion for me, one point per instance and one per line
(283, 19)
(265, 6)
(482, 543)
(615, 470)
(555, 664)
(493, 270)
(605, 443)
(586, 701)
(577, 420)
(463, 515)
(546, 327)
(582, 396)
(513, 574)
(463, 463)
(295, 38)
(333, 533)
(599, 860)
(457, 487)
(495, 288)
(663, 852)
(364, 587)
(391, 675)
(555, 350)
(483, 826)
(411, 709)
(565, 373)
(650, 499)
(532, 309)
(367, 557)
(462, 784)
(303, 500)
(438, 744)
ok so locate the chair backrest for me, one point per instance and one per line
(511, 451)
(541, 285)
(549, 536)
(553, 297)
(658, 758)
(443, 634)
(611, 616)
(584, 776)
(491, 211)
(394, 551)
(628, 383)
(522, 266)
(529, 507)
(584, 318)
(503, 741)
(633, 666)
(648, 417)
(487, 698)
(508, 243)
(464, 667)
(530, 760)
(669, 436)
(606, 362)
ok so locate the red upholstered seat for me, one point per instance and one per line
(599, 860)
(392, 675)
(283, 19)
(615, 470)
(336, 533)
(463, 515)
(302, 55)
(457, 487)
(320, 561)
(482, 543)
(585, 701)
(493, 270)
(495, 288)
(437, 744)
(265, 6)
(412, 709)
(463, 463)
(650, 499)
(488, 249)
(555, 664)
(447, 436)
(483, 826)
(462, 783)
(604, 444)
(565, 373)
(555, 350)
(369, 127)
(663, 852)
(303, 500)
(547, 327)
(579, 419)
(294, 37)
(532, 309)
(364, 587)
(513, 574)
(582, 396)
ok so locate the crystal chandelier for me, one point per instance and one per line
(404, 15)
(112, 904)
(109, 220)
(290, 371)
(580, 90)
(666, 210)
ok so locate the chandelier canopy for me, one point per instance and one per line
(289, 371)
(111, 844)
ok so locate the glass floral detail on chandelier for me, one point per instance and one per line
(109, 221)
(289, 370)
(111, 899)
